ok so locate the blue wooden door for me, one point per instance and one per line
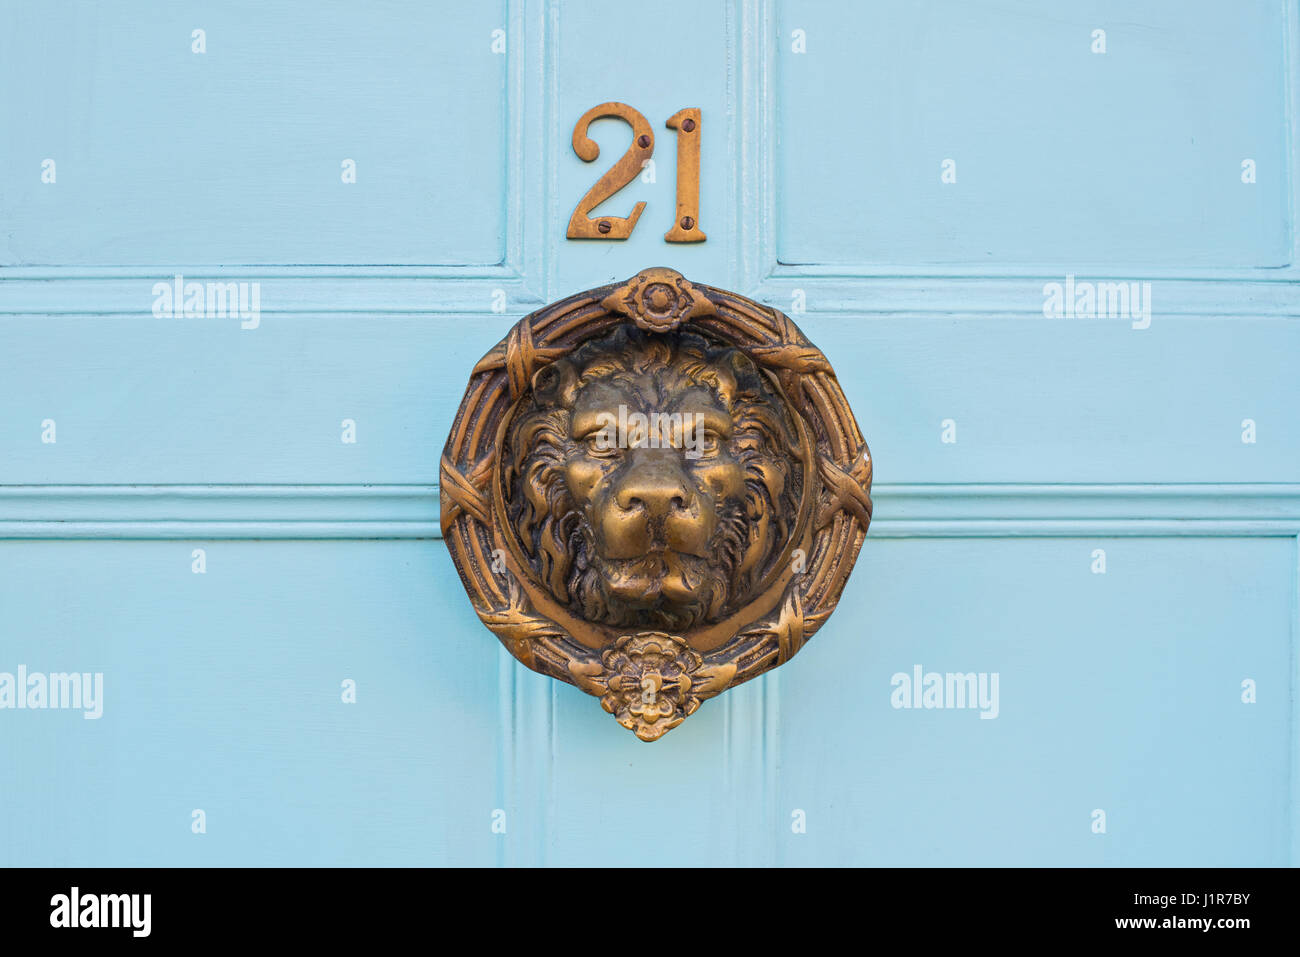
(250, 252)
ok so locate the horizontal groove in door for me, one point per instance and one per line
(412, 511)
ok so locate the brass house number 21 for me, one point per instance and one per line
(686, 227)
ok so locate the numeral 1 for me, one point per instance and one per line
(686, 229)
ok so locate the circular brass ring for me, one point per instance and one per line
(651, 678)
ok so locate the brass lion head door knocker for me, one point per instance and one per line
(654, 491)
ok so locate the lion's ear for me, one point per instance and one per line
(553, 384)
(744, 369)
(735, 374)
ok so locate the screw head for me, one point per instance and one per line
(688, 125)
(604, 226)
(688, 222)
(643, 141)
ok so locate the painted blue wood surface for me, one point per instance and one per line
(1063, 157)
(234, 156)
(821, 191)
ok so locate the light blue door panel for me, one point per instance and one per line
(202, 401)
(234, 156)
(1119, 692)
(223, 692)
(1127, 158)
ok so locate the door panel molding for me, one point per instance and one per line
(183, 512)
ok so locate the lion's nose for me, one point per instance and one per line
(660, 491)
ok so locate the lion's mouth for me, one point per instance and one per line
(657, 566)
(660, 580)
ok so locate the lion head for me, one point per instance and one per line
(648, 479)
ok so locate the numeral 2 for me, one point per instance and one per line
(581, 226)
(686, 227)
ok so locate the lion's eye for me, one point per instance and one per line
(600, 445)
(710, 442)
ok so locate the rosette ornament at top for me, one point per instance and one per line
(658, 300)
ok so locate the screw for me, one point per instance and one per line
(605, 226)
(688, 222)
(688, 126)
(643, 141)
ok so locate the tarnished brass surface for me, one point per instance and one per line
(654, 491)
(686, 225)
(686, 228)
(581, 226)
